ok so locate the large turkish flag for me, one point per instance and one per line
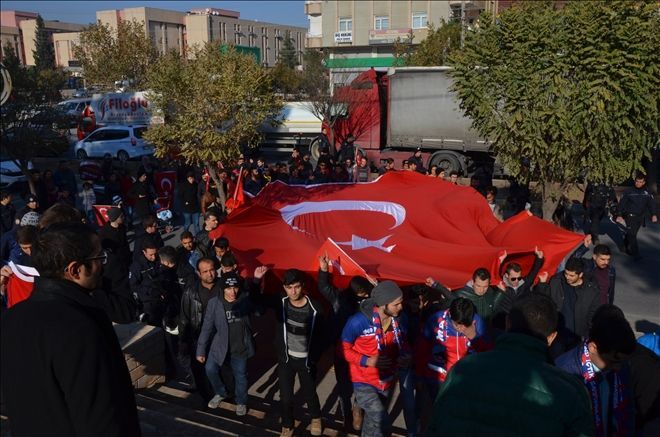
(403, 226)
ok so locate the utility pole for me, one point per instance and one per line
(462, 23)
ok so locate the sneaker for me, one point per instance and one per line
(358, 416)
(215, 401)
(316, 428)
(286, 432)
(241, 410)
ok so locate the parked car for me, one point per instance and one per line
(73, 108)
(121, 142)
(10, 174)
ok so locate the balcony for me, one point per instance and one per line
(314, 42)
(313, 8)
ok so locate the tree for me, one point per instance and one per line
(44, 52)
(212, 104)
(432, 50)
(568, 89)
(288, 55)
(108, 55)
(285, 80)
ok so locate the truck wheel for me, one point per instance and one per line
(122, 156)
(314, 147)
(81, 154)
(447, 161)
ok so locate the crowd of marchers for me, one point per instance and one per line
(555, 349)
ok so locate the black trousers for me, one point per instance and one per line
(633, 223)
(595, 217)
(287, 372)
(190, 365)
(344, 385)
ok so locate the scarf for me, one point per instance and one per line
(380, 335)
(385, 376)
(621, 417)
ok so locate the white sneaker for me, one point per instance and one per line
(241, 410)
(215, 402)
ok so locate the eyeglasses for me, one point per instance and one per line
(515, 279)
(103, 256)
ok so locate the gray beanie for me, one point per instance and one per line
(386, 292)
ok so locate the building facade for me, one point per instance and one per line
(362, 33)
(174, 30)
(19, 29)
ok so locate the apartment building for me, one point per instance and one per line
(19, 29)
(175, 30)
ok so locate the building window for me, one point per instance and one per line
(345, 24)
(419, 20)
(381, 23)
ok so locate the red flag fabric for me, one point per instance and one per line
(164, 182)
(20, 284)
(340, 263)
(101, 214)
(238, 199)
(403, 226)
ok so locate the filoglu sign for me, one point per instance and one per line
(343, 37)
(122, 108)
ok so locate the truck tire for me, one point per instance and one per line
(314, 147)
(448, 161)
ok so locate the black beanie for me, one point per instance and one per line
(386, 292)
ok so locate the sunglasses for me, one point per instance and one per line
(515, 279)
(103, 256)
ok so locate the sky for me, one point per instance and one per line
(84, 12)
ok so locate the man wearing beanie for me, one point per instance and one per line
(375, 348)
(227, 326)
(113, 236)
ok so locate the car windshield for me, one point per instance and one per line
(139, 131)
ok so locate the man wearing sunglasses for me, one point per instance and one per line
(59, 348)
(514, 285)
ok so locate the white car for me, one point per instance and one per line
(10, 173)
(121, 142)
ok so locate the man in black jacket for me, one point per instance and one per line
(636, 202)
(299, 341)
(7, 212)
(149, 231)
(59, 347)
(598, 199)
(600, 271)
(514, 285)
(188, 193)
(144, 281)
(194, 302)
(344, 305)
(577, 301)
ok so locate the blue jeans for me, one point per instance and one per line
(374, 402)
(191, 218)
(239, 370)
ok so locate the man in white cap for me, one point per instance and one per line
(375, 349)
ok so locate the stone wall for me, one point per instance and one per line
(144, 351)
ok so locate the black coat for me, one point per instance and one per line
(63, 372)
(316, 342)
(7, 217)
(188, 193)
(585, 306)
(144, 279)
(142, 193)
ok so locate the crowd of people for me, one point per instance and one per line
(467, 360)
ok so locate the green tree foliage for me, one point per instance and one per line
(288, 55)
(108, 55)
(44, 52)
(286, 81)
(434, 49)
(574, 89)
(212, 104)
